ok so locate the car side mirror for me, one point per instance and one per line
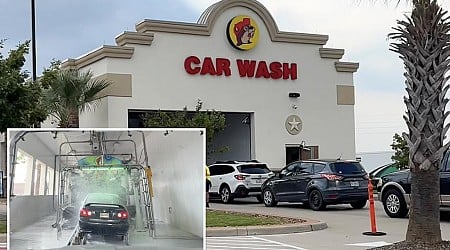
(371, 176)
(280, 175)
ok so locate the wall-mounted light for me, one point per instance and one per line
(294, 94)
(246, 120)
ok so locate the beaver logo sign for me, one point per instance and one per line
(243, 33)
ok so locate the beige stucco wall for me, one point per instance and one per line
(159, 81)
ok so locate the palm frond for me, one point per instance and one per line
(72, 91)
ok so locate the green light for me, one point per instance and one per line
(102, 168)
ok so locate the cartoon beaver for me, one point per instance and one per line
(244, 32)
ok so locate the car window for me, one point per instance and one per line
(253, 169)
(387, 170)
(214, 170)
(104, 198)
(318, 168)
(347, 168)
(290, 169)
(220, 169)
(446, 162)
(306, 168)
(227, 169)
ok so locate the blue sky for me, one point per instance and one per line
(68, 29)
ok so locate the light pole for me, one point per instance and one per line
(33, 39)
(33, 47)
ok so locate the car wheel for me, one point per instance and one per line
(82, 237)
(358, 204)
(269, 198)
(260, 198)
(394, 204)
(316, 201)
(225, 194)
(126, 239)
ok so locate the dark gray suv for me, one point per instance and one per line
(318, 183)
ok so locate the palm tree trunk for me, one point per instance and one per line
(424, 218)
(74, 119)
(424, 47)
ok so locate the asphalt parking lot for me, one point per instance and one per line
(345, 227)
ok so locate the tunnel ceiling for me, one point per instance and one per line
(90, 142)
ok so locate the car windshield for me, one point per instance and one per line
(253, 169)
(347, 168)
(387, 170)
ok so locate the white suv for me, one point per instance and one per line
(238, 179)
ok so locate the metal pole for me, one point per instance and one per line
(33, 39)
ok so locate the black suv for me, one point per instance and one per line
(318, 183)
(396, 190)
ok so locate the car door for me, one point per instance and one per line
(214, 174)
(303, 177)
(445, 181)
(284, 186)
(220, 174)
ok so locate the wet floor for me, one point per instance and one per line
(41, 235)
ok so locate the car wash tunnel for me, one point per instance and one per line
(106, 189)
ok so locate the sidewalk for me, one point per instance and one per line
(307, 226)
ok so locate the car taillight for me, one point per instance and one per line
(239, 177)
(332, 177)
(85, 212)
(122, 215)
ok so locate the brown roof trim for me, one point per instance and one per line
(331, 53)
(129, 37)
(346, 66)
(149, 25)
(106, 51)
(208, 18)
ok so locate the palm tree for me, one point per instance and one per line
(423, 43)
(71, 92)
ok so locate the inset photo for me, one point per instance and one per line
(106, 188)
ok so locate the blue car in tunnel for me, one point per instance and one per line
(104, 214)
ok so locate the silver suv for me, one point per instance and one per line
(238, 179)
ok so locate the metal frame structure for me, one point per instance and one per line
(62, 166)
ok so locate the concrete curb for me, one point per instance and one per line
(266, 230)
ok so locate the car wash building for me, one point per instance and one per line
(285, 95)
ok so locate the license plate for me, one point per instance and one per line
(104, 215)
(354, 184)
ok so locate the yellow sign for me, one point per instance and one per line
(243, 32)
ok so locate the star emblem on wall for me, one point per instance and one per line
(293, 124)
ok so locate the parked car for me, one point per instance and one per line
(376, 174)
(318, 183)
(396, 190)
(237, 179)
(103, 214)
